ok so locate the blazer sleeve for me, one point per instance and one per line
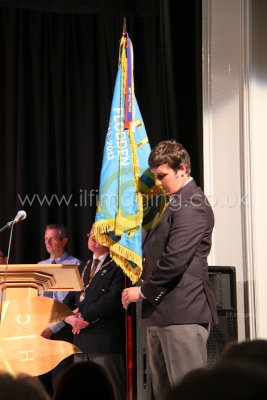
(70, 300)
(188, 227)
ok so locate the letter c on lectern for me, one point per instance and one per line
(23, 319)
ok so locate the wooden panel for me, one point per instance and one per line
(22, 349)
(42, 277)
(19, 293)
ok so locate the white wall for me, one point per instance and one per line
(235, 147)
(223, 82)
(258, 129)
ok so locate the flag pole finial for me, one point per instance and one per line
(124, 29)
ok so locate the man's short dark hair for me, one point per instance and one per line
(62, 230)
(171, 153)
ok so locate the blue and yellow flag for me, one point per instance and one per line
(124, 176)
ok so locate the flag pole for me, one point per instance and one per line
(124, 28)
(128, 323)
(129, 349)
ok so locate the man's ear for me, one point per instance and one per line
(182, 170)
(65, 241)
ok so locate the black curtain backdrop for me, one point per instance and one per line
(58, 64)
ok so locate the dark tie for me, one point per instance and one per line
(93, 267)
(50, 293)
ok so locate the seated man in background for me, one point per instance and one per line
(98, 324)
(56, 241)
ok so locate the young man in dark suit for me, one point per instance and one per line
(98, 322)
(178, 301)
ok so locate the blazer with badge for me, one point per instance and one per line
(176, 283)
(103, 310)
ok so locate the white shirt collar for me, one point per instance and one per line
(101, 261)
(189, 180)
(101, 258)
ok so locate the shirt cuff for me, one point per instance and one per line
(141, 294)
(56, 327)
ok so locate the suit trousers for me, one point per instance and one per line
(114, 365)
(50, 379)
(173, 351)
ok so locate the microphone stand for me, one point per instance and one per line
(8, 225)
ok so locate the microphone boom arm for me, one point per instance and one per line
(21, 215)
(8, 225)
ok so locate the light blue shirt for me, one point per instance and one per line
(65, 258)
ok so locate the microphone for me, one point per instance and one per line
(21, 215)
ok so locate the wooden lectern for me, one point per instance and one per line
(25, 315)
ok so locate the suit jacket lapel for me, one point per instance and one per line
(153, 230)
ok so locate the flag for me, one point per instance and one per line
(125, 177)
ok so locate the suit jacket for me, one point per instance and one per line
(102, 308)
(176, 285)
